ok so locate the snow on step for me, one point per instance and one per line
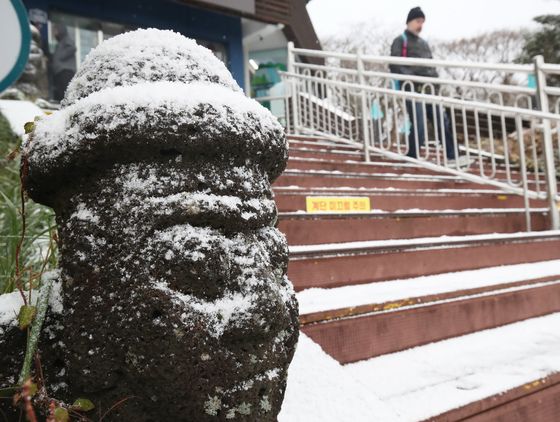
(426, 381)
(439, 191)
(424, 241)
(360, 163)
(318, 300)
(349, 174)
(411, 212)
(320, 390)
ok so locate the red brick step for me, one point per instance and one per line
(345, 264)
(386, 328)
(289, 199)
(313, 229)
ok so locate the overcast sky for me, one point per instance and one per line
(445, 19)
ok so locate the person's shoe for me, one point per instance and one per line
(462, 162)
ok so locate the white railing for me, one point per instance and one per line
(504, 140)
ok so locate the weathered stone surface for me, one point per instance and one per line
(175, 289)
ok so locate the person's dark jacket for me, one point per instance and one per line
(64, 56)
(417, 48)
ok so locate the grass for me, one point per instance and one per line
(37, 251)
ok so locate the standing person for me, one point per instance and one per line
(409, 44)
(63, 61)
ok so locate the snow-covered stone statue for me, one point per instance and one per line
(32, 83)
(175, 292)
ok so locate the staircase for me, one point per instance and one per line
(438, 259)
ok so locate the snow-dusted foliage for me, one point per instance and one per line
(175, 287)
(14, 341)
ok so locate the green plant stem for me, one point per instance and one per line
(33, 337)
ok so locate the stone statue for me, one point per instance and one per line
(175, 293)
(32, 84)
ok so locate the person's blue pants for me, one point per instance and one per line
(417, 126)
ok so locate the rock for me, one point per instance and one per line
(175, 290)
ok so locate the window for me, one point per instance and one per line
(85, 32)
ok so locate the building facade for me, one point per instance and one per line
(250, 36)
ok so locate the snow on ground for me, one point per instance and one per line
(320, 390)
(10, 303)
(18, 113)
(317, 300)
(428, 380)
(9, 307)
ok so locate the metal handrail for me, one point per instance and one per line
(424, 79)
(503, 67)
(526, 69)
(471, 105)
(511, 89)
(320, 94)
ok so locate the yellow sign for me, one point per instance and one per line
(337, 204)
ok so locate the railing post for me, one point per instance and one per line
(550, 171)
(364, 106)
(293, 90)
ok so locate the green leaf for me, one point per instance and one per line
(26, 315)
(61, 415)
(28, 127)
(84, 405)
(32, 389)
(8, 392)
